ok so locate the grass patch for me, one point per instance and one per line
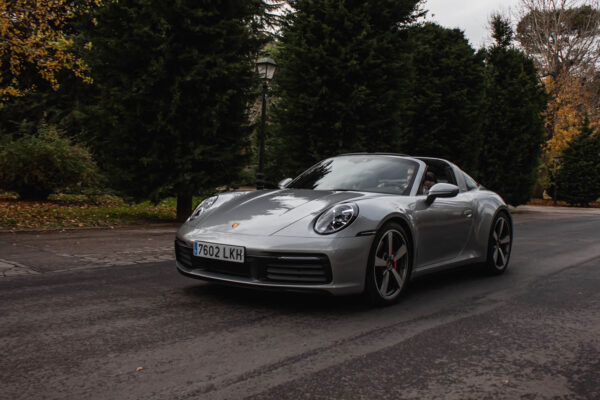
(69, 211)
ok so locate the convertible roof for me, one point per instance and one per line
(374, 154)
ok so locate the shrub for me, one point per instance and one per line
(34, 166)
(578, 178)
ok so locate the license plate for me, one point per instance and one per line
(218, 251)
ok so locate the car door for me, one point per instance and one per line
(444, 226)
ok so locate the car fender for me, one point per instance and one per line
(489, 205)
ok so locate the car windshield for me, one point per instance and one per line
(364, 173)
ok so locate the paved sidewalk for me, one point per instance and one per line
(41, 252)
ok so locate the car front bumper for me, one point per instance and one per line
(326, 264)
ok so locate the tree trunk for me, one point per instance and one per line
(184, 206)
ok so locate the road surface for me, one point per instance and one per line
(93, 330)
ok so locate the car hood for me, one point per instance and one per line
(266, 212)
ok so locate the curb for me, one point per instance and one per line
(555, 210)
(94, 228)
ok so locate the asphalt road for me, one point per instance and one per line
(142, 331)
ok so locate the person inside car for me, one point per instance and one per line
(430, 180)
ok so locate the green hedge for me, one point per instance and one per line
(37, 165)
(578, 178)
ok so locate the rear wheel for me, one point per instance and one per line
(499, 244)
(389, 265)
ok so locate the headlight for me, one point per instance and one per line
(202, 207)
(336, 218)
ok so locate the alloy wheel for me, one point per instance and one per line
(390, 264)
(501, 243)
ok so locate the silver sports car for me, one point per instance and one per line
(356, 223)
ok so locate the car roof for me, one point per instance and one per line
(434, 159)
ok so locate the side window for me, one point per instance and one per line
(470, 182)
(450, 175)
(436, 173)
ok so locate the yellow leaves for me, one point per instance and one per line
(69, 211)
(31, 37)
(570, 101)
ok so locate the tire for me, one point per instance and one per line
(499, 244)
(388, 273)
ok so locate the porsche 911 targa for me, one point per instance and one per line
(356, 223)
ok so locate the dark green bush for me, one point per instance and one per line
(578, 178)
(35, 166)
(512, 118)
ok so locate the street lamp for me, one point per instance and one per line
(556, 161)
(265, 67)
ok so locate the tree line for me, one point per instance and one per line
(351, 80)
(164, 103)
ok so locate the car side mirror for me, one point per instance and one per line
(441, 190)
(283, 183)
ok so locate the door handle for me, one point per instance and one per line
(468, 213)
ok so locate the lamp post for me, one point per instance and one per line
(556, 161)
(265, 67)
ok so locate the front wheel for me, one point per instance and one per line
(389, 265)
(499, 244)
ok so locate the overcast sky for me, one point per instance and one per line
(471, 16)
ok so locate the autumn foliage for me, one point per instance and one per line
(75, 211)
(572, 106)
(568, 106)
(33, 43)
(563, 38)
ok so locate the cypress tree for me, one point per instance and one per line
(513, 126)
(174, 81)
(443, 111)
(342, 73)
(578, 178)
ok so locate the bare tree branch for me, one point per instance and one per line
(562, 36)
